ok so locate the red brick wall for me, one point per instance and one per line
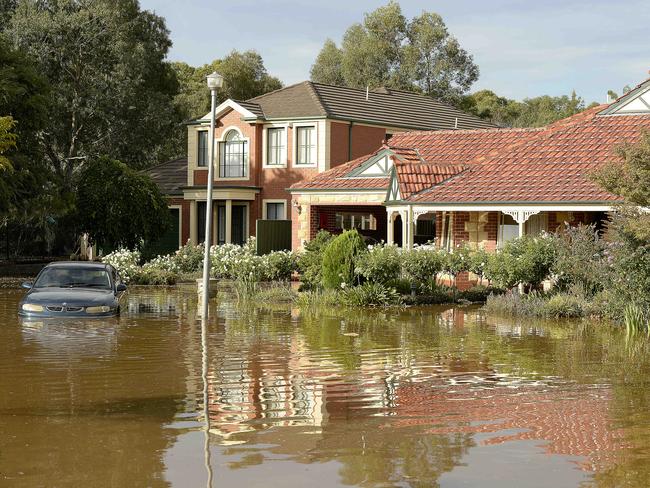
(366, 140)
(492, 229)
(339, 143)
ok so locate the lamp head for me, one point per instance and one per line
(215, 80)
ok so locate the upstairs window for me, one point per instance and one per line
(202, 157)
(306, 145)
(233, 156)
(275, 154)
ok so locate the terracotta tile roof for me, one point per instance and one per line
(460, 146)
(415, 177)
(552, 167)
(336, 178)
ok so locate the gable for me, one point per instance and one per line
(636, 101)
(377, 166)
(394, 194)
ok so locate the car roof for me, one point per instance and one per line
(77, 264)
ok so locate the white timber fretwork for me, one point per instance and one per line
(377, 166)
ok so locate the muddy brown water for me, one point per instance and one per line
(415, 397)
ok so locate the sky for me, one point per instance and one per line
(523, 48)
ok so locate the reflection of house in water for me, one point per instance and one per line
(567, 420)
(436, 400)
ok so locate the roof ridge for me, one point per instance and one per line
(317, 97)
(276, 90)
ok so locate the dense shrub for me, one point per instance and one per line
(479, 293)
(369, 295)
(154, 276)
(310, 261)
(279, 265)
(381, 264)
(189, 258)
(478, 262)
(563, 304)
(339, 259)
(421, 264)
(581, 259)
(528, 260)
(456, 260)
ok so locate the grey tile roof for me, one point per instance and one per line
(170, 176)
(384, 107)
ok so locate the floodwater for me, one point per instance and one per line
(415, 397)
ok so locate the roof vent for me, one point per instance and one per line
(382, 89)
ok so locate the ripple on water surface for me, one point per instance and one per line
(371, 398)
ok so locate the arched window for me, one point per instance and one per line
(233, 156)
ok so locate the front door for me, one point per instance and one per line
(238, 224)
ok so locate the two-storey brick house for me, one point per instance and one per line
(267, 144)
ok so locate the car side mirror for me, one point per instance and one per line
(27, 284)
(120, 287)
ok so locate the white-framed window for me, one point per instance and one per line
(276, 149)
(354, 220)
(306, 145)
(508, 230)
(233, 156)
(202, 145)
(275, 210)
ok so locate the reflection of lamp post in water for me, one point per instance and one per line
(206, 402)
(215, 80)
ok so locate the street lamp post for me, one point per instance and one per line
(215, 80)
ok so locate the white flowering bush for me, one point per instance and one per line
(381, 264)
(189, 258)
(279, 265)
(422, 264)
(167, 263)
(125, 262)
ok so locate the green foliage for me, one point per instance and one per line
(111, 88)
(478, 262)
(456, 261)
(635, 320)
(118, 206)
(327, 67)
(388, 50)
(531, 112)
(7, 140)
(310, 261)
(154, 276)
(421, 264)
(479, 293)
(369, 294)
(560, 305)
(339, 259)
(244, 77)
(527, 260)
(381, 264)
(279, 265)
(581, 260)
(629, 176)
(189, 258)
(26, 195)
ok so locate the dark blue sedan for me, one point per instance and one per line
(73, 289)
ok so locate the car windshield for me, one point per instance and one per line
(73, 277)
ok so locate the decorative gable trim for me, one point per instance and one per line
(636, 101)
(229, 104)
(376, 166)
(394, 194)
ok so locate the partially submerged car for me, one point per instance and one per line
(73, 289)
